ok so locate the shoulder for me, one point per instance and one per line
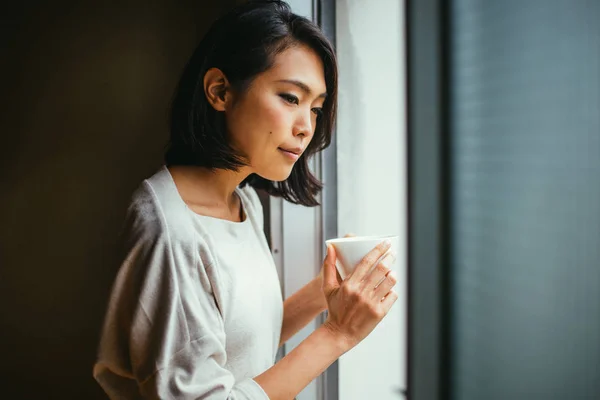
(159, 238)
(156, 212)
(144, 214)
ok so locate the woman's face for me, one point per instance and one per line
(274, 120)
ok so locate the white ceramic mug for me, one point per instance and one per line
(351, 250)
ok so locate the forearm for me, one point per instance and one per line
(304, 363)
(301, 308)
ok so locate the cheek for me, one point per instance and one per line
(275, 118)
(252, 121)
(260, 125)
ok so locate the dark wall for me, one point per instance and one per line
(83, 121)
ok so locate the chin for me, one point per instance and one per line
(276, 175)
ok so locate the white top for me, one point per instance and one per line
(196, 309)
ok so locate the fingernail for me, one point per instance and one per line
(388, 260)
(387, 242)
(391, 256)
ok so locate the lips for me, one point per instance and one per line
(292, 154)
(295, 150)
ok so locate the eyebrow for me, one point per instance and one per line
(304, 87)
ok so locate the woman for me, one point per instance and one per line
(196, 310)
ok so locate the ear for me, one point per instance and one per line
(216, 89)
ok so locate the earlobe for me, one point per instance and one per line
(216, 88)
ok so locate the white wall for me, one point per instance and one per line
(372, 175)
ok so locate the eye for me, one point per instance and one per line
(318, 112)
(290, 98)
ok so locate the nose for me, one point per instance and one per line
(304, 124)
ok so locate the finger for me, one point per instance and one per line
(386, 285)
(380, 271)
(369, 260)
(389, 300)
(330, 280)
(349, 235)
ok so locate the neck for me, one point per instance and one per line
(211, 188)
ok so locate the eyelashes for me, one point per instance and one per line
(318, 112)
(291, 99)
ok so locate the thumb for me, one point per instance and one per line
(330, 280)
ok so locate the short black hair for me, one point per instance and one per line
(242, 44)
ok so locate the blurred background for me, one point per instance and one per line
(471, 128)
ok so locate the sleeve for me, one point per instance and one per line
(163, 335)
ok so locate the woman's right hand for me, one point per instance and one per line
(357, 304)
